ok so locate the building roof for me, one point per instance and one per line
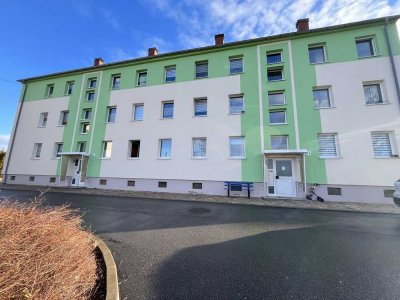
(393, 18)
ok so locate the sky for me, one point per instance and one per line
(39, 37)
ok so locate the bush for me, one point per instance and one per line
(44, 253)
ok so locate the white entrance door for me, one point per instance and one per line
(284, 178)
(76, 172)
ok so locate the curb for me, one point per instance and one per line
(112, 287)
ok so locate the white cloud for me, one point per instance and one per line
(110, 18)
(4, 139)
(197, 21)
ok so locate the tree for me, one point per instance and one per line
(2, 159)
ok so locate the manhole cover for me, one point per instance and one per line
(199, 210)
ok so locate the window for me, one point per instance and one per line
(87, 113)
(236, 65)
(107, 148)
(12, 177)
(165, 148)
(381, 143)
(85, 128)
(49, 90)
(276, 98)
(138, 112)
(202, 69)
(277, 117)
(115, 82)
(162, 184)
(316, 54)
(131, 183)
(170, 74)
(31, 178)
(134, 148)
(52, 179)
(112, 111)
(372, 93)
(365, 47)
(69, 88)
(236, 147)
(274, 58)
(197, 185)
(90, 96)
(236, 105)
(321, 98)
(199, 147)
(279, 142)
(37, 149)
(81, 146)
(64, 118)
(103, 181)
(275, 74)
(142, 78)
(58, 148)
(92, 82)
(334, 191)
(43, 119)
(168, 110)
(327, 145)
(200, 107)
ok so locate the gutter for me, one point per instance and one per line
(9, 151)
(392, 63)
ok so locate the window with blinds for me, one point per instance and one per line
(274, 58)
(372, 93)
(199, 147)
(276, 98)
(279, 142)
(170, 74)
(202, 69)
(381, 144)
(327, 145)
(200, 107)
(236, 65)
(236, 147)
(138, 112)
(236, 105)
(168, 110)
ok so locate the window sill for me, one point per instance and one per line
(199, 158)
(371, 56)
(105, 158)
(330, 157)
(205, 77)
(141, 85)
(114, 89)
(320, 63)
(110, 122)
(277, 124)
(136, 120)
(59, 125)
(237, 73)
(275, 63)
(236, 114)
(377, 104)
(56, 158)
(163, 158)
(200, 116)
(386, 157)
(330, 107)
(237, 158)
(35, 158)
(166, 82)
(166, 118)
(41, 127)
(133, 158)
(276, 80)
(84, 133)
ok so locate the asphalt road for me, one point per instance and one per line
(187, 250)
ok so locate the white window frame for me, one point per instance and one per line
(373, 43)
(194, 106)
(393, 149)
(230, 62)
(197, 139)
(69, 83)
(320, 45)
(113, 85)
(202, 62)
(160, 148)
(139, 73)
(275, 93)
(274, 70)
(90, 93)
(243, 104)
(90, 84)
(135, 105)
(335, 135)
(130, 149)
(62, 114)
(382, 88)
(277, 110)
(329, 89)
(109, 108)
(56, 150)
(83, 126)
(280, 136)
(243, 145)
(42, 117)
(89, 110)
(273, 53)
(104, 154)
(37, 148)
(162, 109)
(49, 90)
(166, 71)
(80, 146)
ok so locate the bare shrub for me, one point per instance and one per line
(44, 253)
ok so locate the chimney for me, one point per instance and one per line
(152, 51)
(219, 39)
(98, 62)
(302, 25)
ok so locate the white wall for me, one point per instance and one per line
(28, 133)
(353, 120)
(216, 127)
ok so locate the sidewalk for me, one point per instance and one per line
(269, 202)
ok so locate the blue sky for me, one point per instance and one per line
(44, 36)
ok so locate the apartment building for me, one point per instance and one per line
(284, 111)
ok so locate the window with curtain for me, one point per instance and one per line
(279, 142)
(236, 105)
(201, 69)
(327, 145)
(381, 144)
(276, 98)
(372, 93)
(236, 65)
(199, 147)
(277, 117)
(138, 112)
(107, 148)
(236, 147)
(321, 98)
(316, 54)
(200, 107)
(170, 74)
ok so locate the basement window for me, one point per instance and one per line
(52, 180)
(197, 185)
(12, 178)
(131, 183)
(162, 184)
(334, 191)
(31, 178)
(103, 181)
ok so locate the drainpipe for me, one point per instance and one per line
(395, 77)
(9, 150)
